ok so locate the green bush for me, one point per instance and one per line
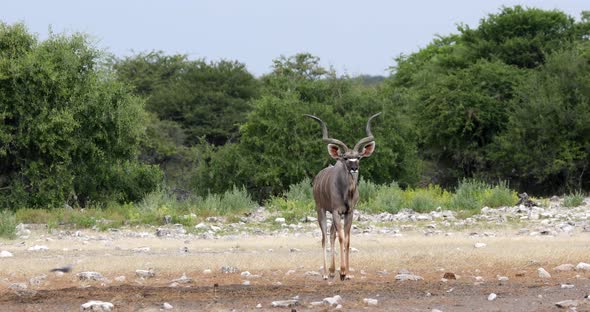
(469, 195)
(7, 224)
(296, 203)
(574, 199)
(234, 201)
(386, 198)
(426, 199)
(70, 131)
(500, 195)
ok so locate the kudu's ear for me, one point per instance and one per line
(334, 151)
(368, 149)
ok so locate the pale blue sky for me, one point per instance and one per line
(355, 37)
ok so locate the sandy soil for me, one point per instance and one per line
(287, 266)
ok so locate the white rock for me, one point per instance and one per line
(120, 278)
(280, 220)
(503, 278)
(145, 273)
(90, 276)
(285, 303)
(183, 279)
(567, 304)
(333, 301)
(245, 274)
(201, 226)
(564, 267)
(167, 306)
(543, 273)
(408, 277)
(246, 283)
(583, 266)
(141, 249)
(97, 306)
(436, 310)
(371, 301)
(38, 248)
(492, 297)
(567, 286)
(480, 245)
(5, 254)
(207, 271)
(259, 306)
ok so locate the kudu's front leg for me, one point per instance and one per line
(347, 226)
(333, 249)
(340, 231)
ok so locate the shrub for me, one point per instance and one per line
(469, 195)
(500, 195)
(7, 224)
(426, 199)
(386, 198)
(234, 201)
(296, 203)
(573, 200)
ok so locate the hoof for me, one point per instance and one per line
(325, 277)
(331, 275)
(342, 277)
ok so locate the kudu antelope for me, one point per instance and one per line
(335, 189)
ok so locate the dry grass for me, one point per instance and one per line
(420, 254)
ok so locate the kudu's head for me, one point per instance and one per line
(350, 157)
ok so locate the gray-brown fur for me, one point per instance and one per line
(335, 190)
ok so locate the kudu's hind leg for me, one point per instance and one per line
(323, 228)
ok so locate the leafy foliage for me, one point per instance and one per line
(69, 130)
(465, 91)
(547, 141)
(206, 99)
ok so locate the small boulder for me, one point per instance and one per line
(97, 306)
(371, 301)
(543, 273)
(285, 303)
(332, 301)
(479, 245)
(90, 276)
(408, 277)
(38, 248)
(564, 267)
(6, 254)
(145, 273)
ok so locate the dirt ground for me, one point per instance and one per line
(287, 266)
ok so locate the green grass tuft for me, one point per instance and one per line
(572, 200)
(7, 224)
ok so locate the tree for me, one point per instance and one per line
(69, 130)
(279, 147)
(459, 89)
(520, 37)
(207, 100)
(547, 142)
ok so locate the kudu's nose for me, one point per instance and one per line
(353, 165)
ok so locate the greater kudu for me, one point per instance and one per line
(335, 189)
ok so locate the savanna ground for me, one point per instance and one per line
(280, 267)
